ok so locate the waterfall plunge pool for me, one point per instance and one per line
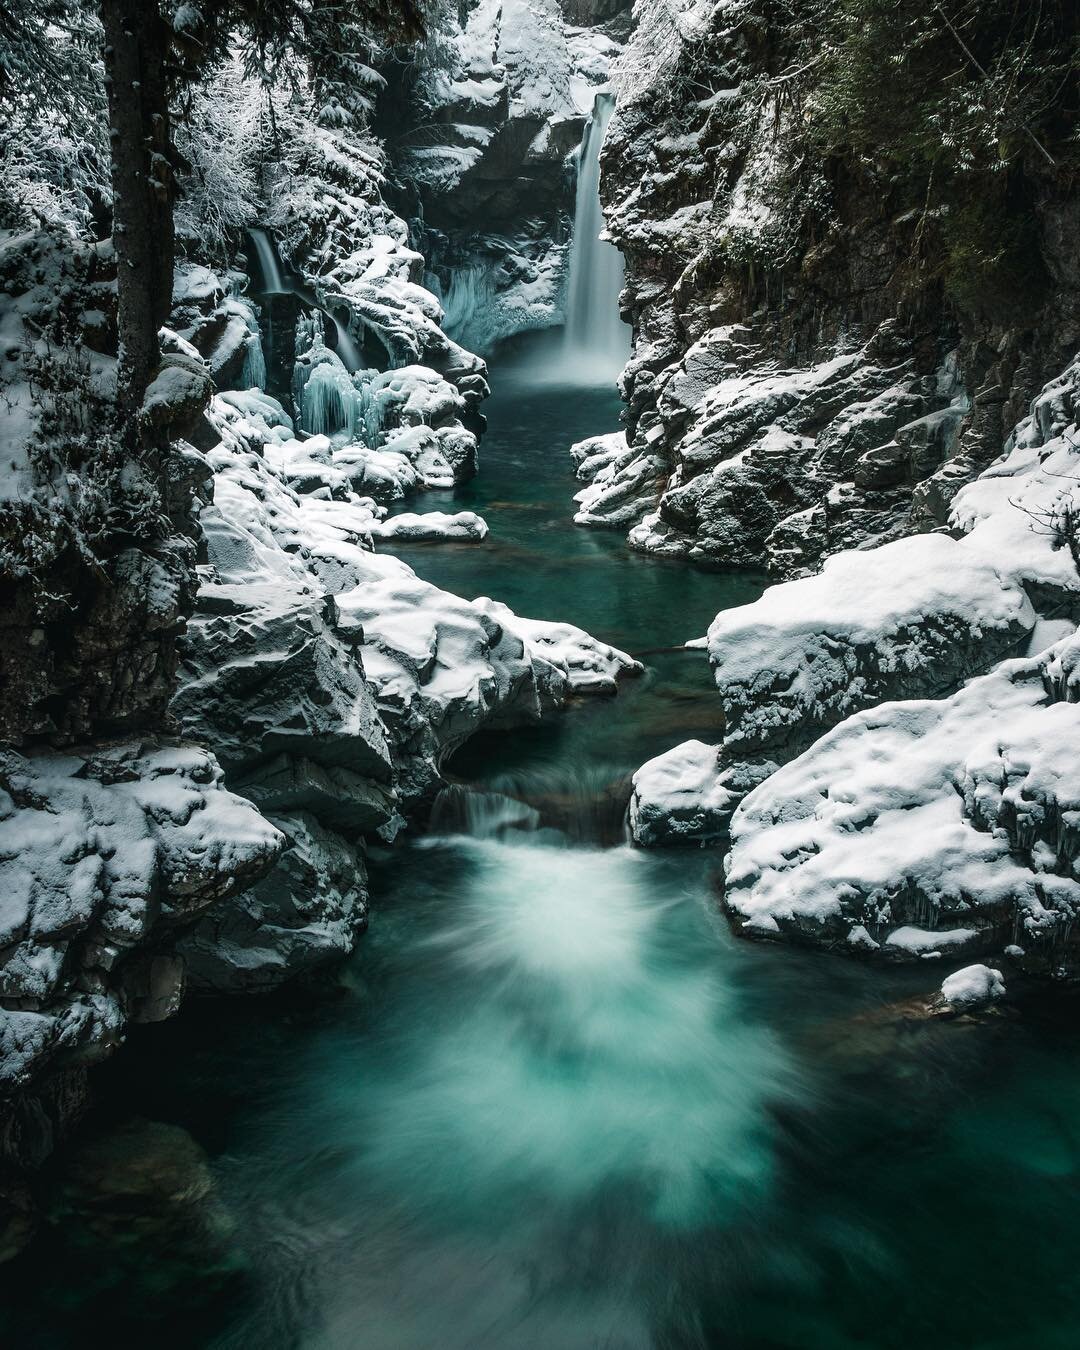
(550, 1103)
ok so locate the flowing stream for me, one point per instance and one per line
(550, 1103)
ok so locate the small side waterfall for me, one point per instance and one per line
(596, 342)
(274, 282)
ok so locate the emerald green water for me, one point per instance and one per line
(551, 1103)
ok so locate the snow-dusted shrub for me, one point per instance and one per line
(222, 132)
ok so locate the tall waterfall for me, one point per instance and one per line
(596, 342)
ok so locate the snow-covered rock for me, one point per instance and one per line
(443, 668)
(334, 683)
(973, 987)
(309, 910)
(462, 526)
(910, 618)
(105, 856)
(685, 796)
(623, 483)
(926, 825)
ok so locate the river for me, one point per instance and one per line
(551, 1103)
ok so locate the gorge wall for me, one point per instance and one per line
(843, 297)
(856, 313)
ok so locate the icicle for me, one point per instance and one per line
(253, 374)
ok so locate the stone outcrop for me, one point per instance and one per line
(924, 828)
(811, 372)
(106, 855)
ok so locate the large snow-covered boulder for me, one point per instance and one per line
(924, 827)
(443, 668)
(908, 619)
(105, 856)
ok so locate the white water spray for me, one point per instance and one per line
(596, 342)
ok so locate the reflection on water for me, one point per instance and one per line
(551, 1103)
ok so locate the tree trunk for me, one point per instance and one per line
(136, 46)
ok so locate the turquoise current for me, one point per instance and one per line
(551, 1103)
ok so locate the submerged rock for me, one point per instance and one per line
(137, 1215)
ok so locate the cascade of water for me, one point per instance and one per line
(347, 349)
(273, 282)
(596, 342)
(481, 815)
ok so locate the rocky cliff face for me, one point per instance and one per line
(850, 341)
(828, 343)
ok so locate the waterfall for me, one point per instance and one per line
(596, 342)
(273, 282)
(347, 349)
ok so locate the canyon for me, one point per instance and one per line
(633, 316)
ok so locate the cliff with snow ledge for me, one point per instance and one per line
(837, 318)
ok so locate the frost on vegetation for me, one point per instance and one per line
(222, 137)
